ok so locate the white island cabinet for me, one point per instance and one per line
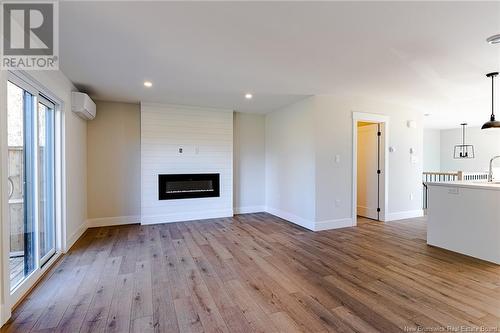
(464, 217)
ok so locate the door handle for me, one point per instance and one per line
(11, 190)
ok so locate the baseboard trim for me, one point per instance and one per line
(5, 314)
(204, 215)
(311, 225)
(249, 209)
(291, 218)
(409, 214)
(334, 224)
(182, 217)
(70, 241)
(111, 221)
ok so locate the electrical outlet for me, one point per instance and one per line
(411, 196)
(337, 203)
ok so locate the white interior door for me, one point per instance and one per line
(367, 176)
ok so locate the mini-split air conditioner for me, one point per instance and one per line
(83, 105)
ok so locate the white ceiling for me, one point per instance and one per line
(431, 56)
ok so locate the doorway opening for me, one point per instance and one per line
(368, 170)
(370, 166)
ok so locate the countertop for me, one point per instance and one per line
(468, 184)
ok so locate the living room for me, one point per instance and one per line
(205, 168)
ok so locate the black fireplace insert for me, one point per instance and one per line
(188, 186)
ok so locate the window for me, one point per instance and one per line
(31, 173)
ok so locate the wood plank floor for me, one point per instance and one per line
(257, 273)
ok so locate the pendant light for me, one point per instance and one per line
(463, 150)
(492, 123)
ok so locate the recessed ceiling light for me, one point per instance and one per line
(495, 39)
(148, 84)
(248, 96)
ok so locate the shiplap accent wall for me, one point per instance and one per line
(206, 138)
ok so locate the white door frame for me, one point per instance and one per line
(383, 194)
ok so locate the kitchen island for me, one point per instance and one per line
(464, 217)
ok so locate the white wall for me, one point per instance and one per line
(303, 180)
(290, 165)
(486, 145)
(114, 197)
(114, 164)
(249, 162)
(432, 150)
(206, 136)
(333, 118)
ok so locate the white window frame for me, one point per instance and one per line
(49, 103)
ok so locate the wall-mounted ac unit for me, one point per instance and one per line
(83, 105)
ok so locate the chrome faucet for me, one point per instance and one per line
(490, 173)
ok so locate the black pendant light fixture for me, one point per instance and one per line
(492, 123)
(463, 150)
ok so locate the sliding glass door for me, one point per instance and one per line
(20, 132)
(46, 179)
(31, 179)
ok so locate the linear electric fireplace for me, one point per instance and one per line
(188, 186)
